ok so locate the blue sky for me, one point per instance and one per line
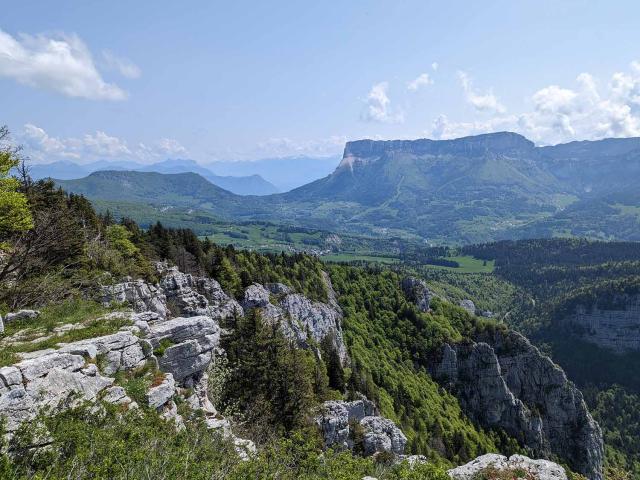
(144, 80)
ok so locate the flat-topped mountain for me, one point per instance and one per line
(470, 189)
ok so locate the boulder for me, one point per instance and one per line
(192, 343)
(380, 434)
(21, 315)
(159, 395)
(518, 464)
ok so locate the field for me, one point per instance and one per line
(467, 264)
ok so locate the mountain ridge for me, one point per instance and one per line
(464, 190)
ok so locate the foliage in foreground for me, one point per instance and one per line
(113, 444)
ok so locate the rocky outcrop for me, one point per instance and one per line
(188, 346)
(142, 296)
(418, 292)
(469, 306)
(338, 420)
(616, 328)
(516, 466)
(177, 294)
(59, 378)
(191, 296)
(300, 319)
(21, 315)
(503, 381)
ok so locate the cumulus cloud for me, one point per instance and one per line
(483, 102)
(422, 80)
(163, 148)
(44, 148)
(60, 63)
(378, 106)
(123, 66)
(588, 110)
(434, 66)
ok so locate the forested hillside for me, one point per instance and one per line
(64, 254)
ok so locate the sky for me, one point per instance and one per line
(238, 80)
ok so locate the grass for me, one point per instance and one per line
(71, 311)
(137, 382)
(467, 264)
(164, 344)
(631, 210)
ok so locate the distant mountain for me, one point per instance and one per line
(251, 184)
(179, 190)
(465, 190)
(285, 173)
(244, 185)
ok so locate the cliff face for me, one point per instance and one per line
(173, 330)
(616, 328)
(503, 381)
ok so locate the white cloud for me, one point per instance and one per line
(163, 148)
(560, 114)
(483, 102)
(434, 66)
(60, 63)
(378, 106)
(422, 80)
(283, 147)
(43, 148)
(125, 67)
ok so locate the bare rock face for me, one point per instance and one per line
(469, 306)
(142, 296)
(21, 315)
(536, 469)
(615, 327)
(177, 294)
(300, 319)
(191, 344)
(379, 434)
(503, 381)
(193, 296)
(418, 292)
(60, 378)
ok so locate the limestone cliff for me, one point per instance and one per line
(614, 325)
(504, 382)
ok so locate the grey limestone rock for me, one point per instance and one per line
(193, 340)
(615, 327)
(380, 434)
(469, 306)
(503, 381)
(142, 296)
(418, 292)
(299, 318)
(159, 395)
(537, 469)
(21, 315)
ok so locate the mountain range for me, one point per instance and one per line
(249, 184)
(465, 190)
